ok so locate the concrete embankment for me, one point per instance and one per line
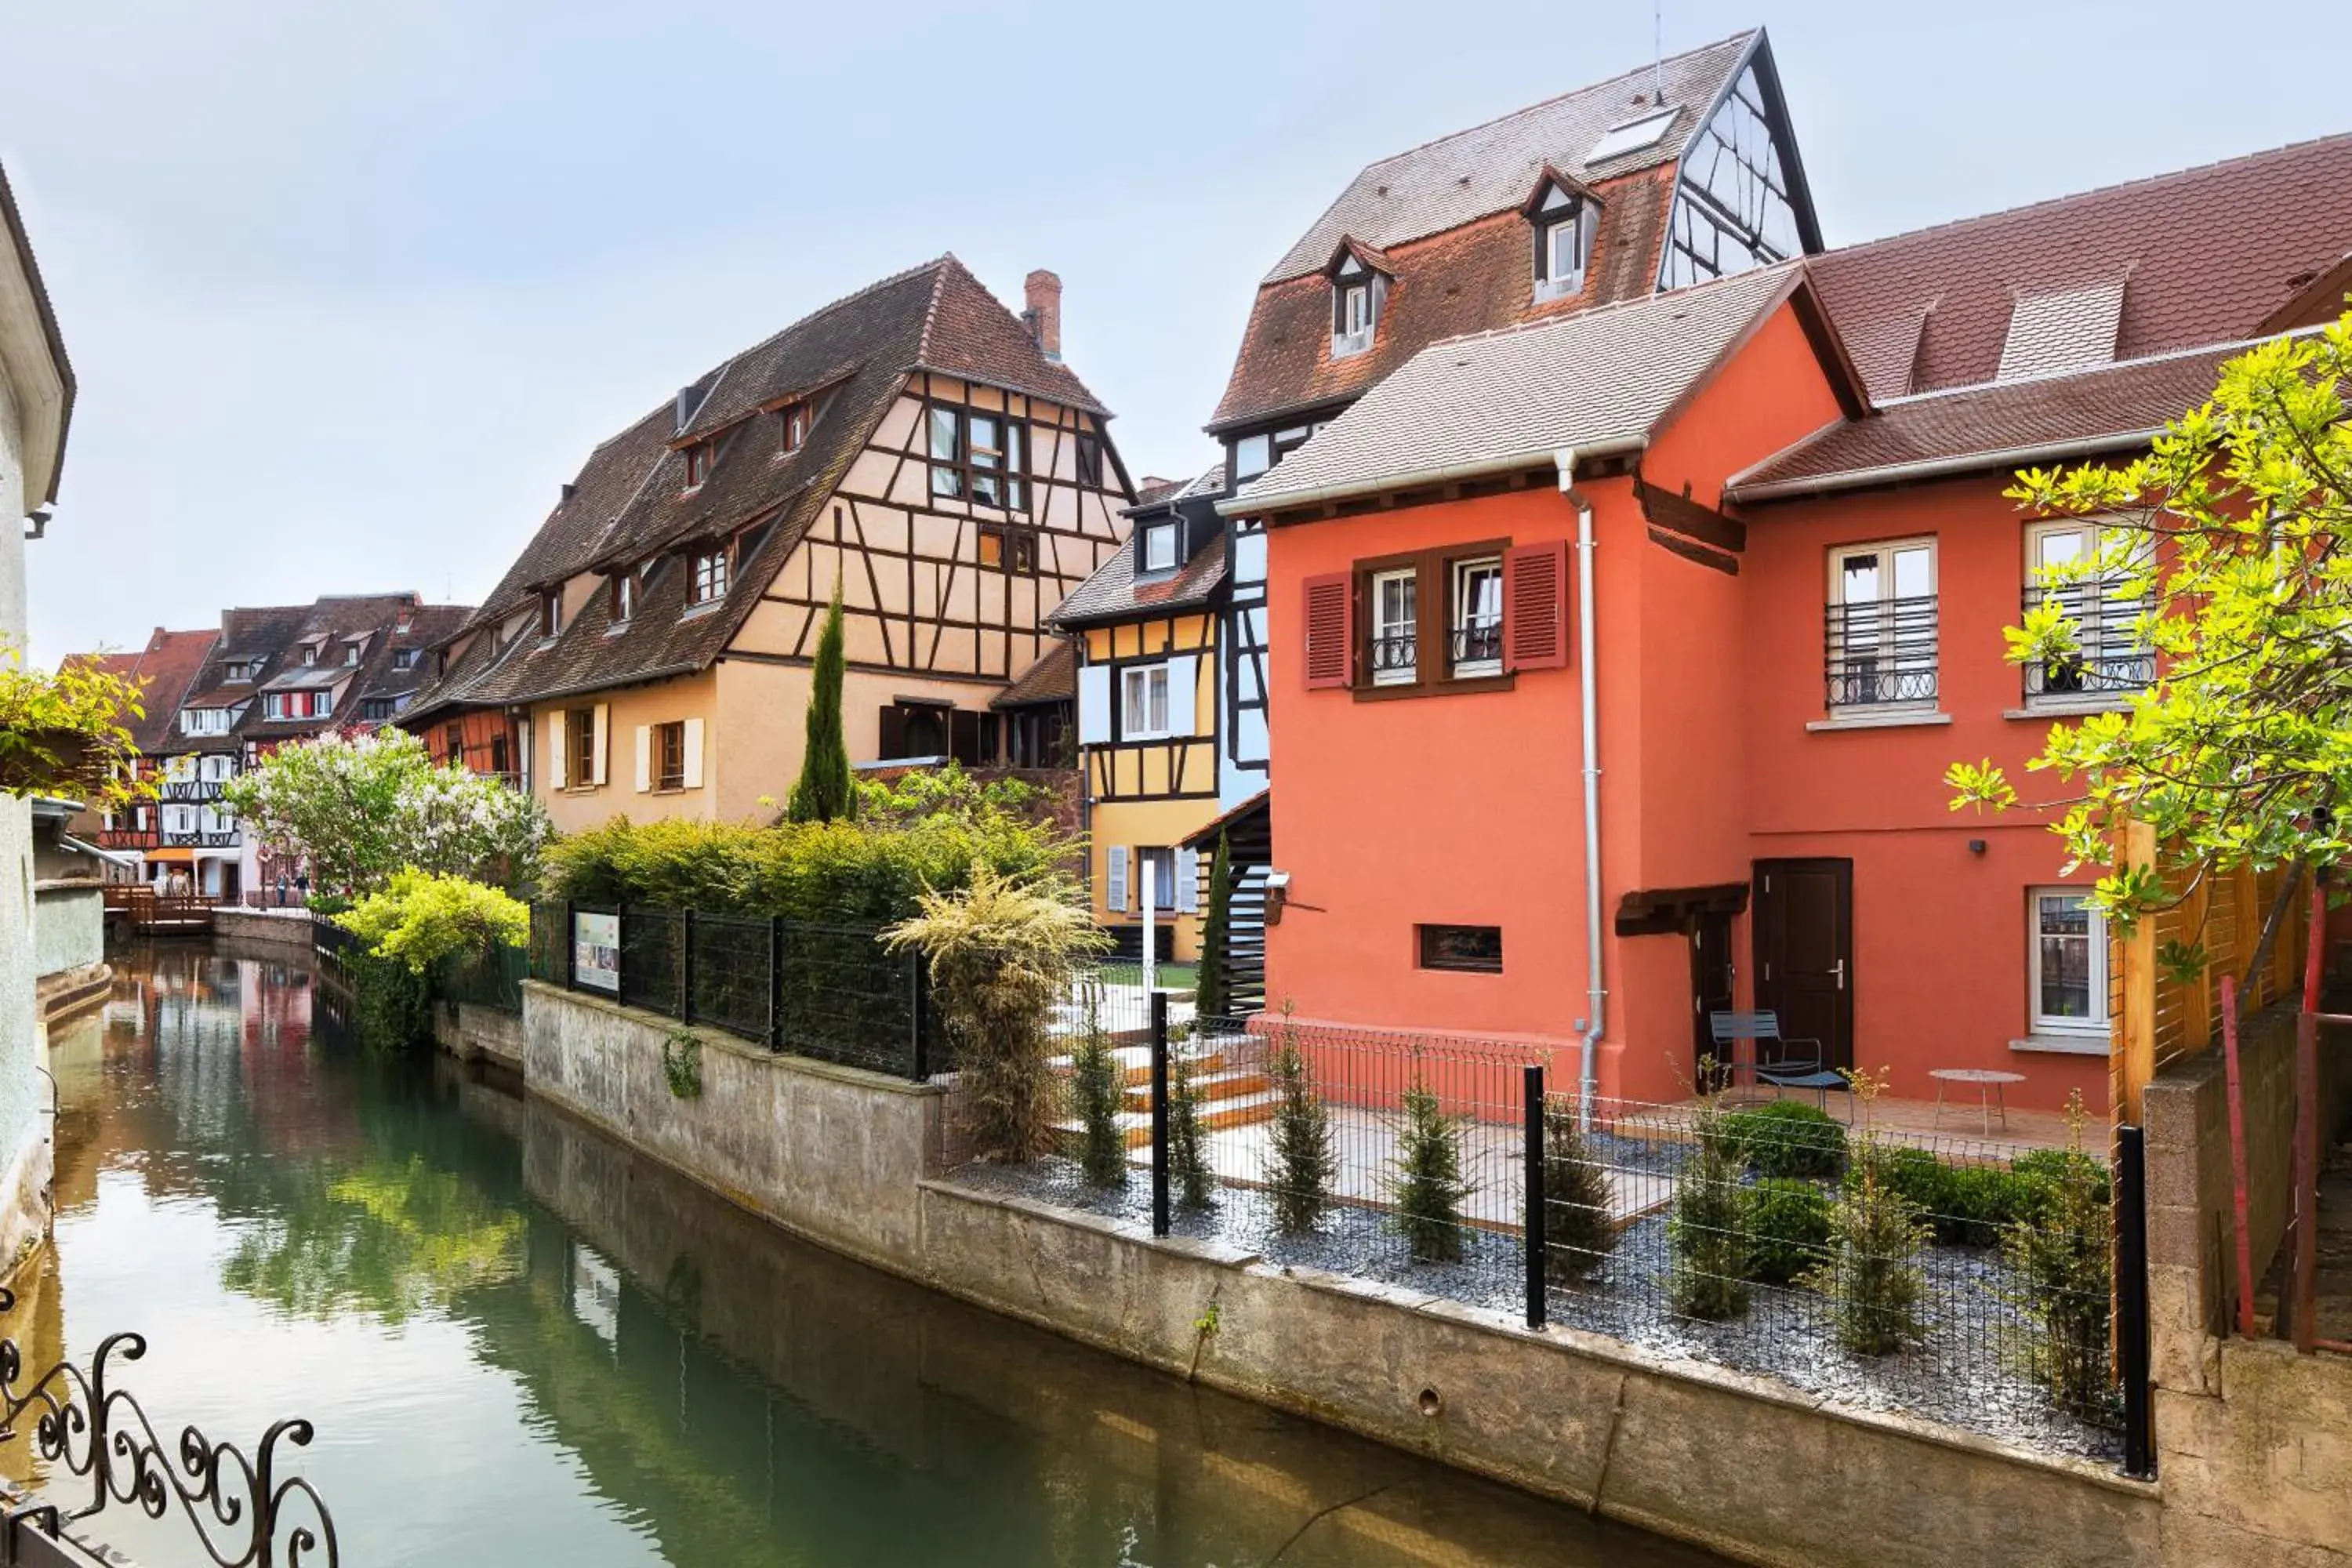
(1745, 1466)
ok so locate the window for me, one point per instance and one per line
(792, 426)
(1476, 948)
(670, 754)
(1396, 625)
(405, 658)
(311, 652)
(700, 459)
(1253, 455)
(580, 735)
(1143, 703)
(2068, 962)
(1881, 636)
(710, 576)
(1021, 553)
(376, 709)
(550, 613)
(978, 456)
(351, 651)
(1564, 225)
(623, 592)
(1160, 547)
(453, 745)
(1090, 468)
(204, 720)
(1161, 865)
(2072, 563)
(1356, 292)
(241, 670)
(1476, 615)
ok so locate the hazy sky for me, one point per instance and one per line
(352, 289)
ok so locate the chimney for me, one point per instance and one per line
(688, 400)
(569, 490)
(1045, 312)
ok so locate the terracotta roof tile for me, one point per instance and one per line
(164, 669)
(2209, 253)
(1053, 679)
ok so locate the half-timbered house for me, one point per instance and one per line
(916, 447)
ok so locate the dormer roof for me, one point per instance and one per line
(1551, 180)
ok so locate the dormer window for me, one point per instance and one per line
(352, 653)
(709, 584)
(311, 652)
(550, 613)
(1358, 288)
(792, 420)
(1563, 216)
(624, 596)
(700, 460)
(1160, 547)
(404, 659)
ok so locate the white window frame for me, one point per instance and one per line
(1458, 621)
(1160, 547)
(1410, 577)
(2096, 1023)
(2107, 630)
(1141, 688)
(1253, 455)
(709, 582)
(1162, 881)
(1886, 549)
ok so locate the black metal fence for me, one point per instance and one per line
(1965, 1279)
(492, 979)
(834, 993)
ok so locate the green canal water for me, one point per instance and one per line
(522, 1344)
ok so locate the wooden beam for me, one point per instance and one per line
(1680, 514)
(1690, 550)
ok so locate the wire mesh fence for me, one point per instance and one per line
(491, 979)
(1964, 1279)
(653, 957)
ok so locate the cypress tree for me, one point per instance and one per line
(1213, 995)
(822, 792)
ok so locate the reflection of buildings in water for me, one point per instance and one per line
(38, 1326)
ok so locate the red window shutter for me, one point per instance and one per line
(1330, 630)
(1534, 606)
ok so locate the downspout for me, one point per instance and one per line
(1587, 692)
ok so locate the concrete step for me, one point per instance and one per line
(1213, 1088)
(1135, 1126)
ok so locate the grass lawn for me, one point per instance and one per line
(1169, 977)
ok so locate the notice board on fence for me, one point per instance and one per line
(596, 952)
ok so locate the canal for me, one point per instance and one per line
(522, 1343)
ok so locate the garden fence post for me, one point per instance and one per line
(775, 982)
(571, 947)
(1532, 1092)
(2131, 1301)
(1159, 1113)
(686, 967)
(620, 951)
(918, 1050)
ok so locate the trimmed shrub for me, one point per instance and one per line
(1430, 1188)
(1787, 1224)
(1305, 1164)
(2049, 1168)
(1188, 1151)
(1871, 1274)
(2060, 1252)
(1212, 995)
(1578, 1234)
(1784, 1138)
(1708, 1275)
(1965, 1205)
(1095, 1083)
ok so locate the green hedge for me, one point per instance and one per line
(929, 831)
(1787, 1223)
(1785, 1138)
(1973, 1206)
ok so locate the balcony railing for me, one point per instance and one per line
(206, 838)
(191, 792)
(128, 838)
(1480, 642)
(1394, 656)
(1882, 653)
(2107, 661)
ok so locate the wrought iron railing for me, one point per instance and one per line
(1880, 653)
(1394, 656)
(1480, 642)
(243, 1511)
(2107, 659)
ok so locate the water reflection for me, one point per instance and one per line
(517, 1338)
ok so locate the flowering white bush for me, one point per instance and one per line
(360, 807)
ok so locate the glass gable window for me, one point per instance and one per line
(2068, 962)
(1477, 616)
(1733, 206)
(1253, 455)
(980, 457)
(2072, 563)
(947, 453)
(1395, 597)
(1881, 625)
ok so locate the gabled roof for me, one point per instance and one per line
(1599, 380)
(2204, 255)
(166, 671)
(272, 636)
(1053, 679)
(1490, 168)
(630, 508)
(1115, 590)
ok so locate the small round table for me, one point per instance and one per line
(1989, 1085)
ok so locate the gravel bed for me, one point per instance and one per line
(1968, 1370)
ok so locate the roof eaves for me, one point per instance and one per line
(1935, 467)
(13, 221)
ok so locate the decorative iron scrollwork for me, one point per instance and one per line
(246, 1514)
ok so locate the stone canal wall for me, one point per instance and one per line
(1744, 1466)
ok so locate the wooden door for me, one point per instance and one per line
(1804, 951)
(1712, 974)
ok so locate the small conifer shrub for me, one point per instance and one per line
(1305, 1164)
(2060, 1254)
(1095, 1082)
(1707, 1277)
(1188, 1153)
(1578, 1233)
(1872, 1275)
(1429, 1184)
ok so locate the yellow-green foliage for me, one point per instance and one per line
(422, 918)
(930, 832)
(64, 735)
(1001, 954)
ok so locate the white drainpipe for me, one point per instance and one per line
(1588, 689)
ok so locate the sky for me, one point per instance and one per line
(351, 289)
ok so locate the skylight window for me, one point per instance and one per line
(1633, 135)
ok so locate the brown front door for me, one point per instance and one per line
(1711, 983)
(1804, 952)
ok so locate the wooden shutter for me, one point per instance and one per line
(1188, 882)
(1331, 631)
(558, 759)
(1094, 705)
(645, 758)
(1115, 878)
(694, 753)
(1184, 694)
(601, 746)
(1535, 607)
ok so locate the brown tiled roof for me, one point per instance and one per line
(1466, 279)
(274, 635)
(164, 669)
(1053, 679)
(22, 243)
(2207, 253)
(630, 504)
(1113, 590)
(1998, 425)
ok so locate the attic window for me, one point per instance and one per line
(1090, 460)
(1564, 223)
(405, 659)
(700, 460)
(351, 652)
(550, 613)
(1160, 547)
(1356, 294)
(311, 652)
(624, 596)
(793, 428)
(710, 568)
